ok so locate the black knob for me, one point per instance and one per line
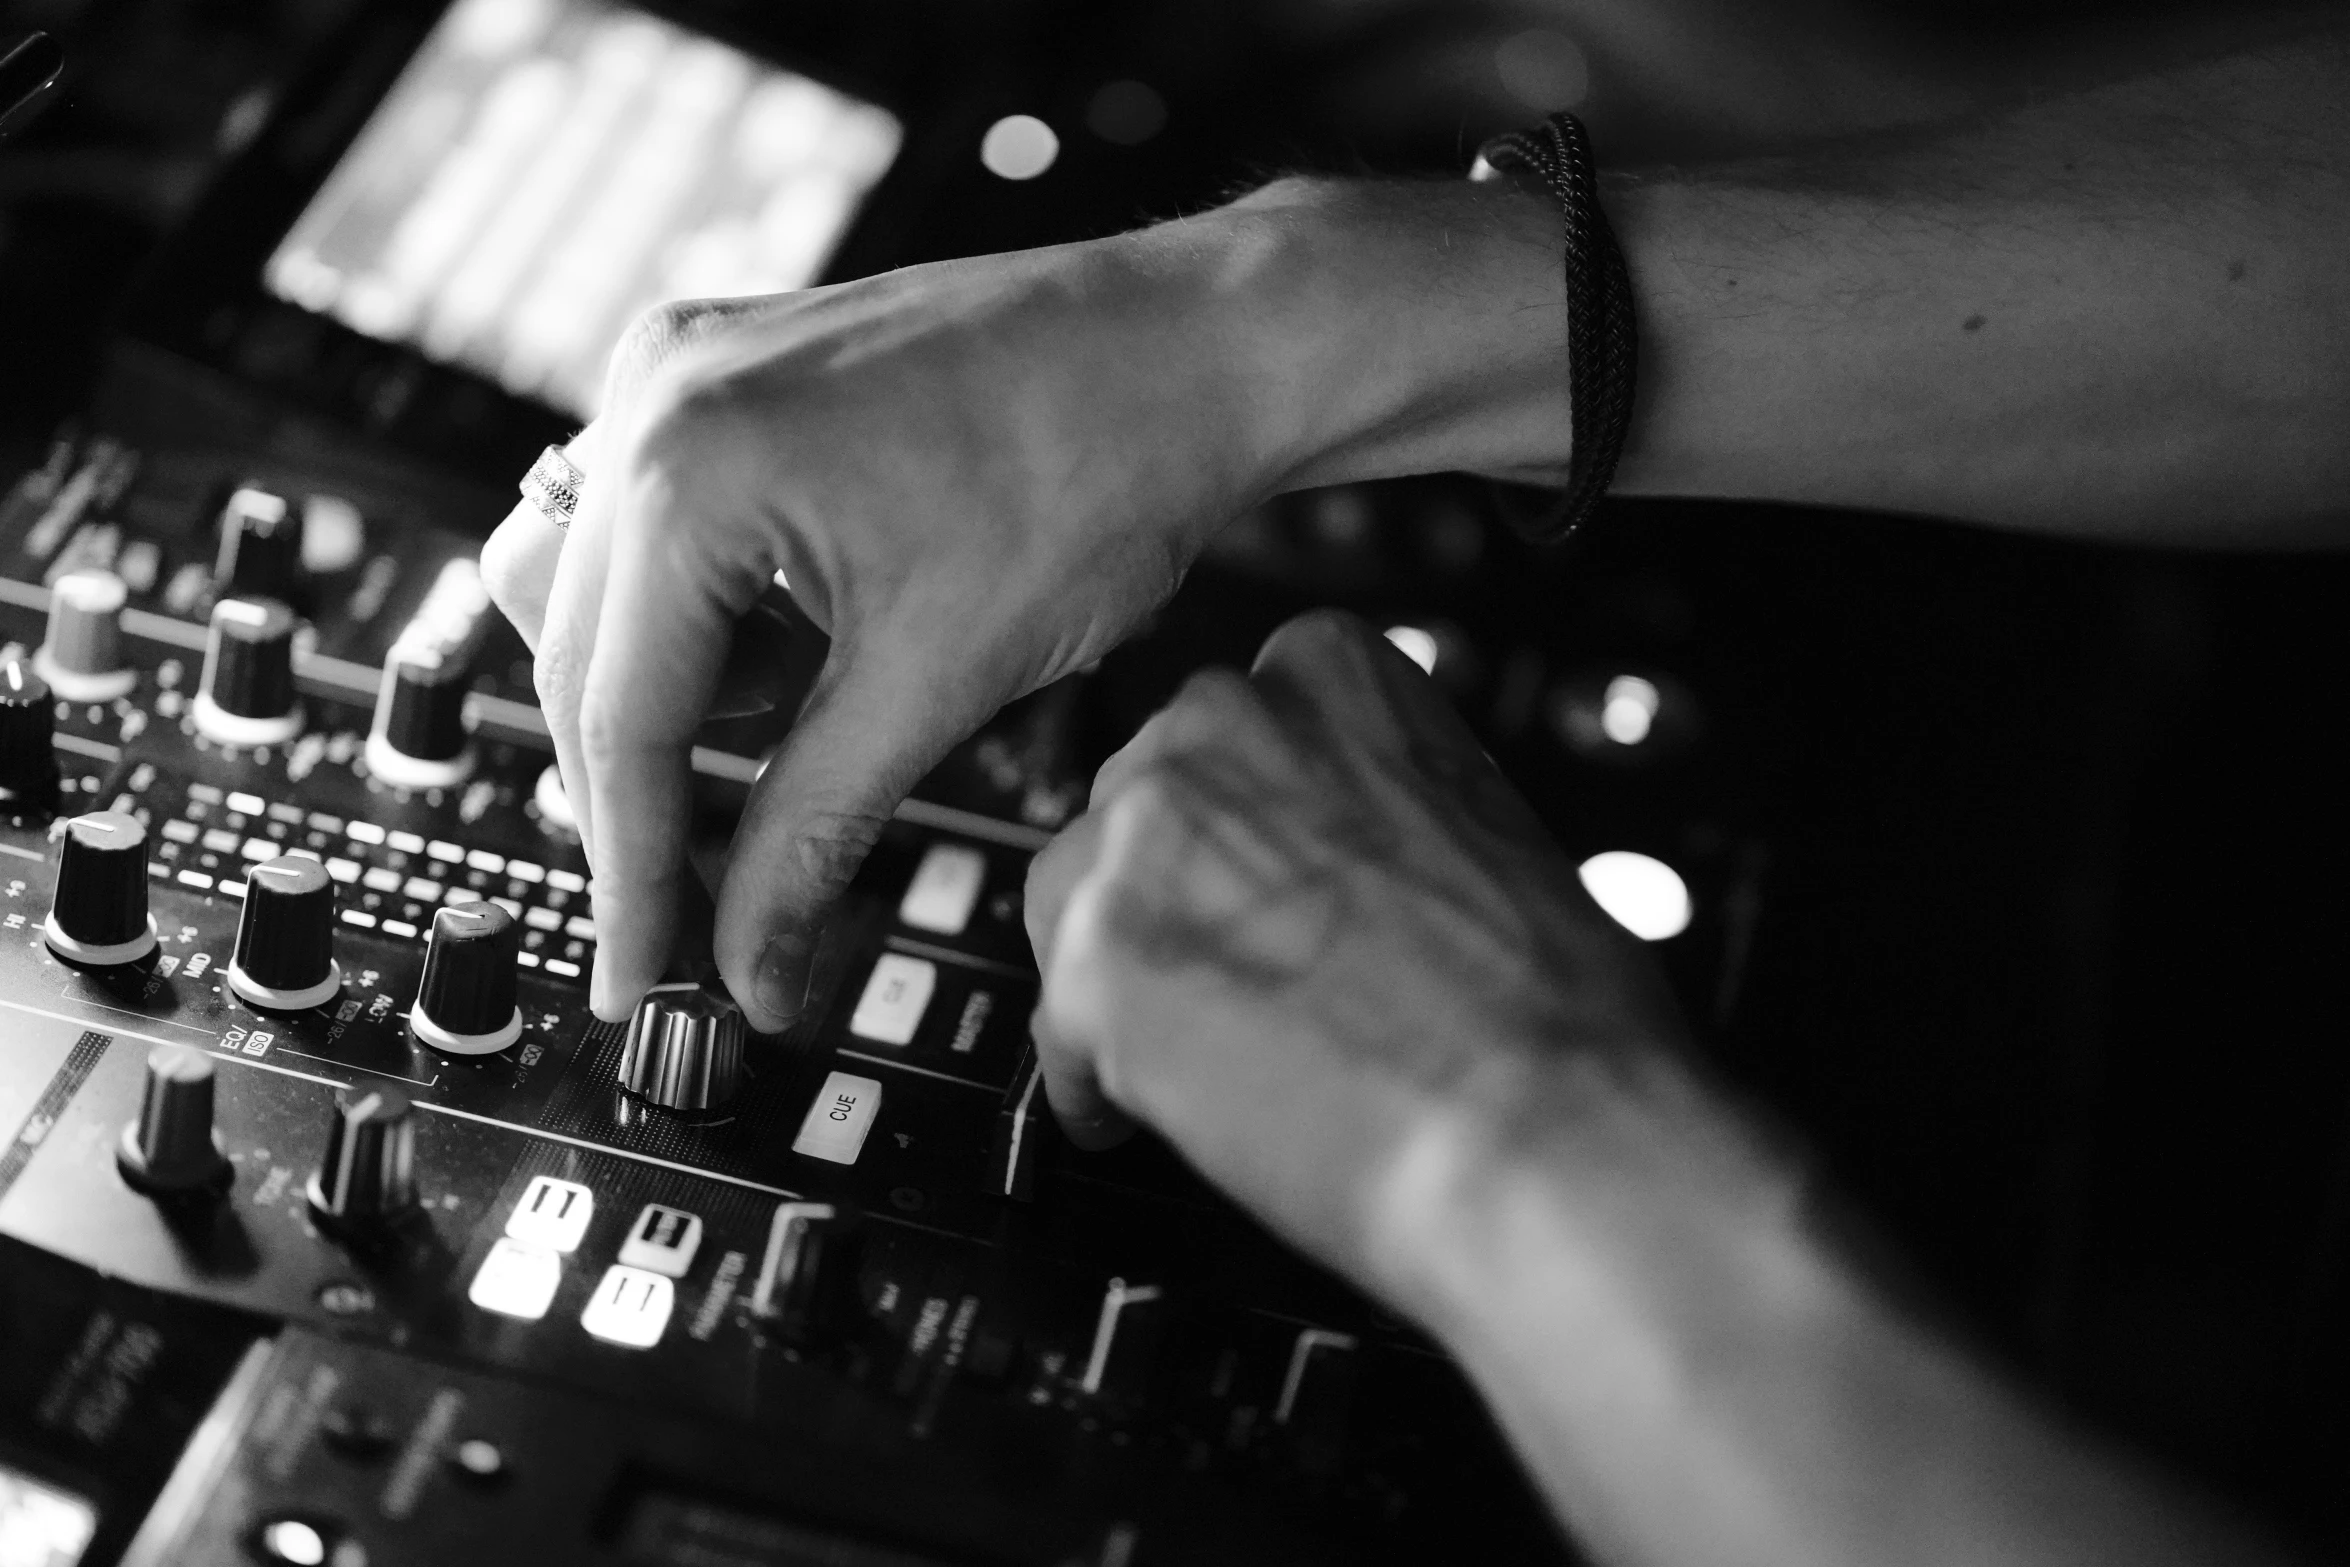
(418, 739)
(171, 1150)
(368, 1176)
(285, 952)
(807, 1285)
(81, 654)
(465, 1004)
(99, 911)
(260, 546)
(28, 762)
(247, 695)
(685, 1048)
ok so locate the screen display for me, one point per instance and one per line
(543, 170)
(41, 1526)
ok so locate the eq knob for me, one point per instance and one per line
(28, 760)
(418, 738)
(465, 1004)
(368, 1176)
(171, 1150)
(99, 913)
(81, 654)
(260, 546)
(247, 693)
(284, 959)
(684, 1049)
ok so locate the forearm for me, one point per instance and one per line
(2115, 314)
(1694, 1379)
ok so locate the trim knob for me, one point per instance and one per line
(171, 1150)
(285, 953)
(247, 694)
(465, 1003)
(98, 914)
(81, 653)
(368, 1176)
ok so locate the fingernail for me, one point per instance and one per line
(780, 984)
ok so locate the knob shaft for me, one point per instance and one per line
(99, 911)
(81, 656)
(465, 1004)
(285, 957)
(418, 739)
(171, 1150)
(260, 546)
(685, 1049)
(368, 1176)
(28, 760)
(247, 694)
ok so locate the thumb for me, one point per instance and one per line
(865, 738)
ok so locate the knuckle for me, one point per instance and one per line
(603, 725)
(505, 571)
(1322, 641)
(555, 675)
(653, 339)
(828, 847)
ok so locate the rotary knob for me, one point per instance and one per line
(285, 954)
(418, 739)
(465, 1004)
(99, 912)
(685, 1048)
(28, 760)
(171, 1150)
(247, 694)
(81, 655)
(260, 546)
(368, 1176)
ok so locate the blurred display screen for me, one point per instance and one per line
(545, 169)
(41, 1526)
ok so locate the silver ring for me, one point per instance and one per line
(552, 485)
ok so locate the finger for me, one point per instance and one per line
(880, 717)
(1066, 1056)
(672, 594)
(1052, 876)
(1214, 707)
(567, 641)
(518, 559)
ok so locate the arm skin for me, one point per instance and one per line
(2119, 315)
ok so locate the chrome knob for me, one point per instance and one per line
(685, 1049)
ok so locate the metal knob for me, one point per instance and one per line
(285, 954)
(685, 1048)
(247, 694)
(171, 1150)
(81, 655)
(98, 913)
(465, 1004)
(368, 1176)
(28, 759)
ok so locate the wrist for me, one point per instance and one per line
(1366, 330)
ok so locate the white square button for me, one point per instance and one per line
(663, 1240)
(552, 1213)
(630, 1308)
(516, 1280)
(895, 995)
(945, 889)
(836, 1123)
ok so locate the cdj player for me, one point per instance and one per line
(333, 1227)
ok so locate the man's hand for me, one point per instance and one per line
(1308, 932)
(976, 477)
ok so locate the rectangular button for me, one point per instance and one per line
(259, 849)
(542, 919)
(381, 880)
(221, 841)
(945, 889)
(663, 1240)
(321, 822)
(291, 815)
(523, 870)
(835, 1125)
(365, 832)
(204, 792)
(342, 870)
(447, 852)
(567, 881)
(422, 891)
(405, 842)
(399, 928)
(516, 1280)
(580, 928)
(552, 1213)
(196, 879)
(249, 804)
(630, 1308)
(558, 966)
(483, 860)
(355, 917)
(180, 832)
(891, 1008)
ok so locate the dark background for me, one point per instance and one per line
(2044, 843)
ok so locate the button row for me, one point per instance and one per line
(631, 1305)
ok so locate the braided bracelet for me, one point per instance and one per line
(1602, 347)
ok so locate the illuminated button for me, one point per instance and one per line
(365, 832)
(399, 928)
(552, 1213)
(423, 891)
(196, 879)
(630, 1308)
(259, 850)
(345, 871)
(513, 909)
(483, 860)
(249, 804)
(381, 880)
(945, 889)
(543, 919)
(291, 815)
(321, 822)
(516, 1280)
(580, 927)
(221, 841)
(523, 870)
(836, 1123)
(405, 842)
(894, 1000)
(445, 851)
(209, 794)
(293, 1541)
(558, 966)
(663, 1240)
(568, 881)
(180, 832)
(355, 917)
